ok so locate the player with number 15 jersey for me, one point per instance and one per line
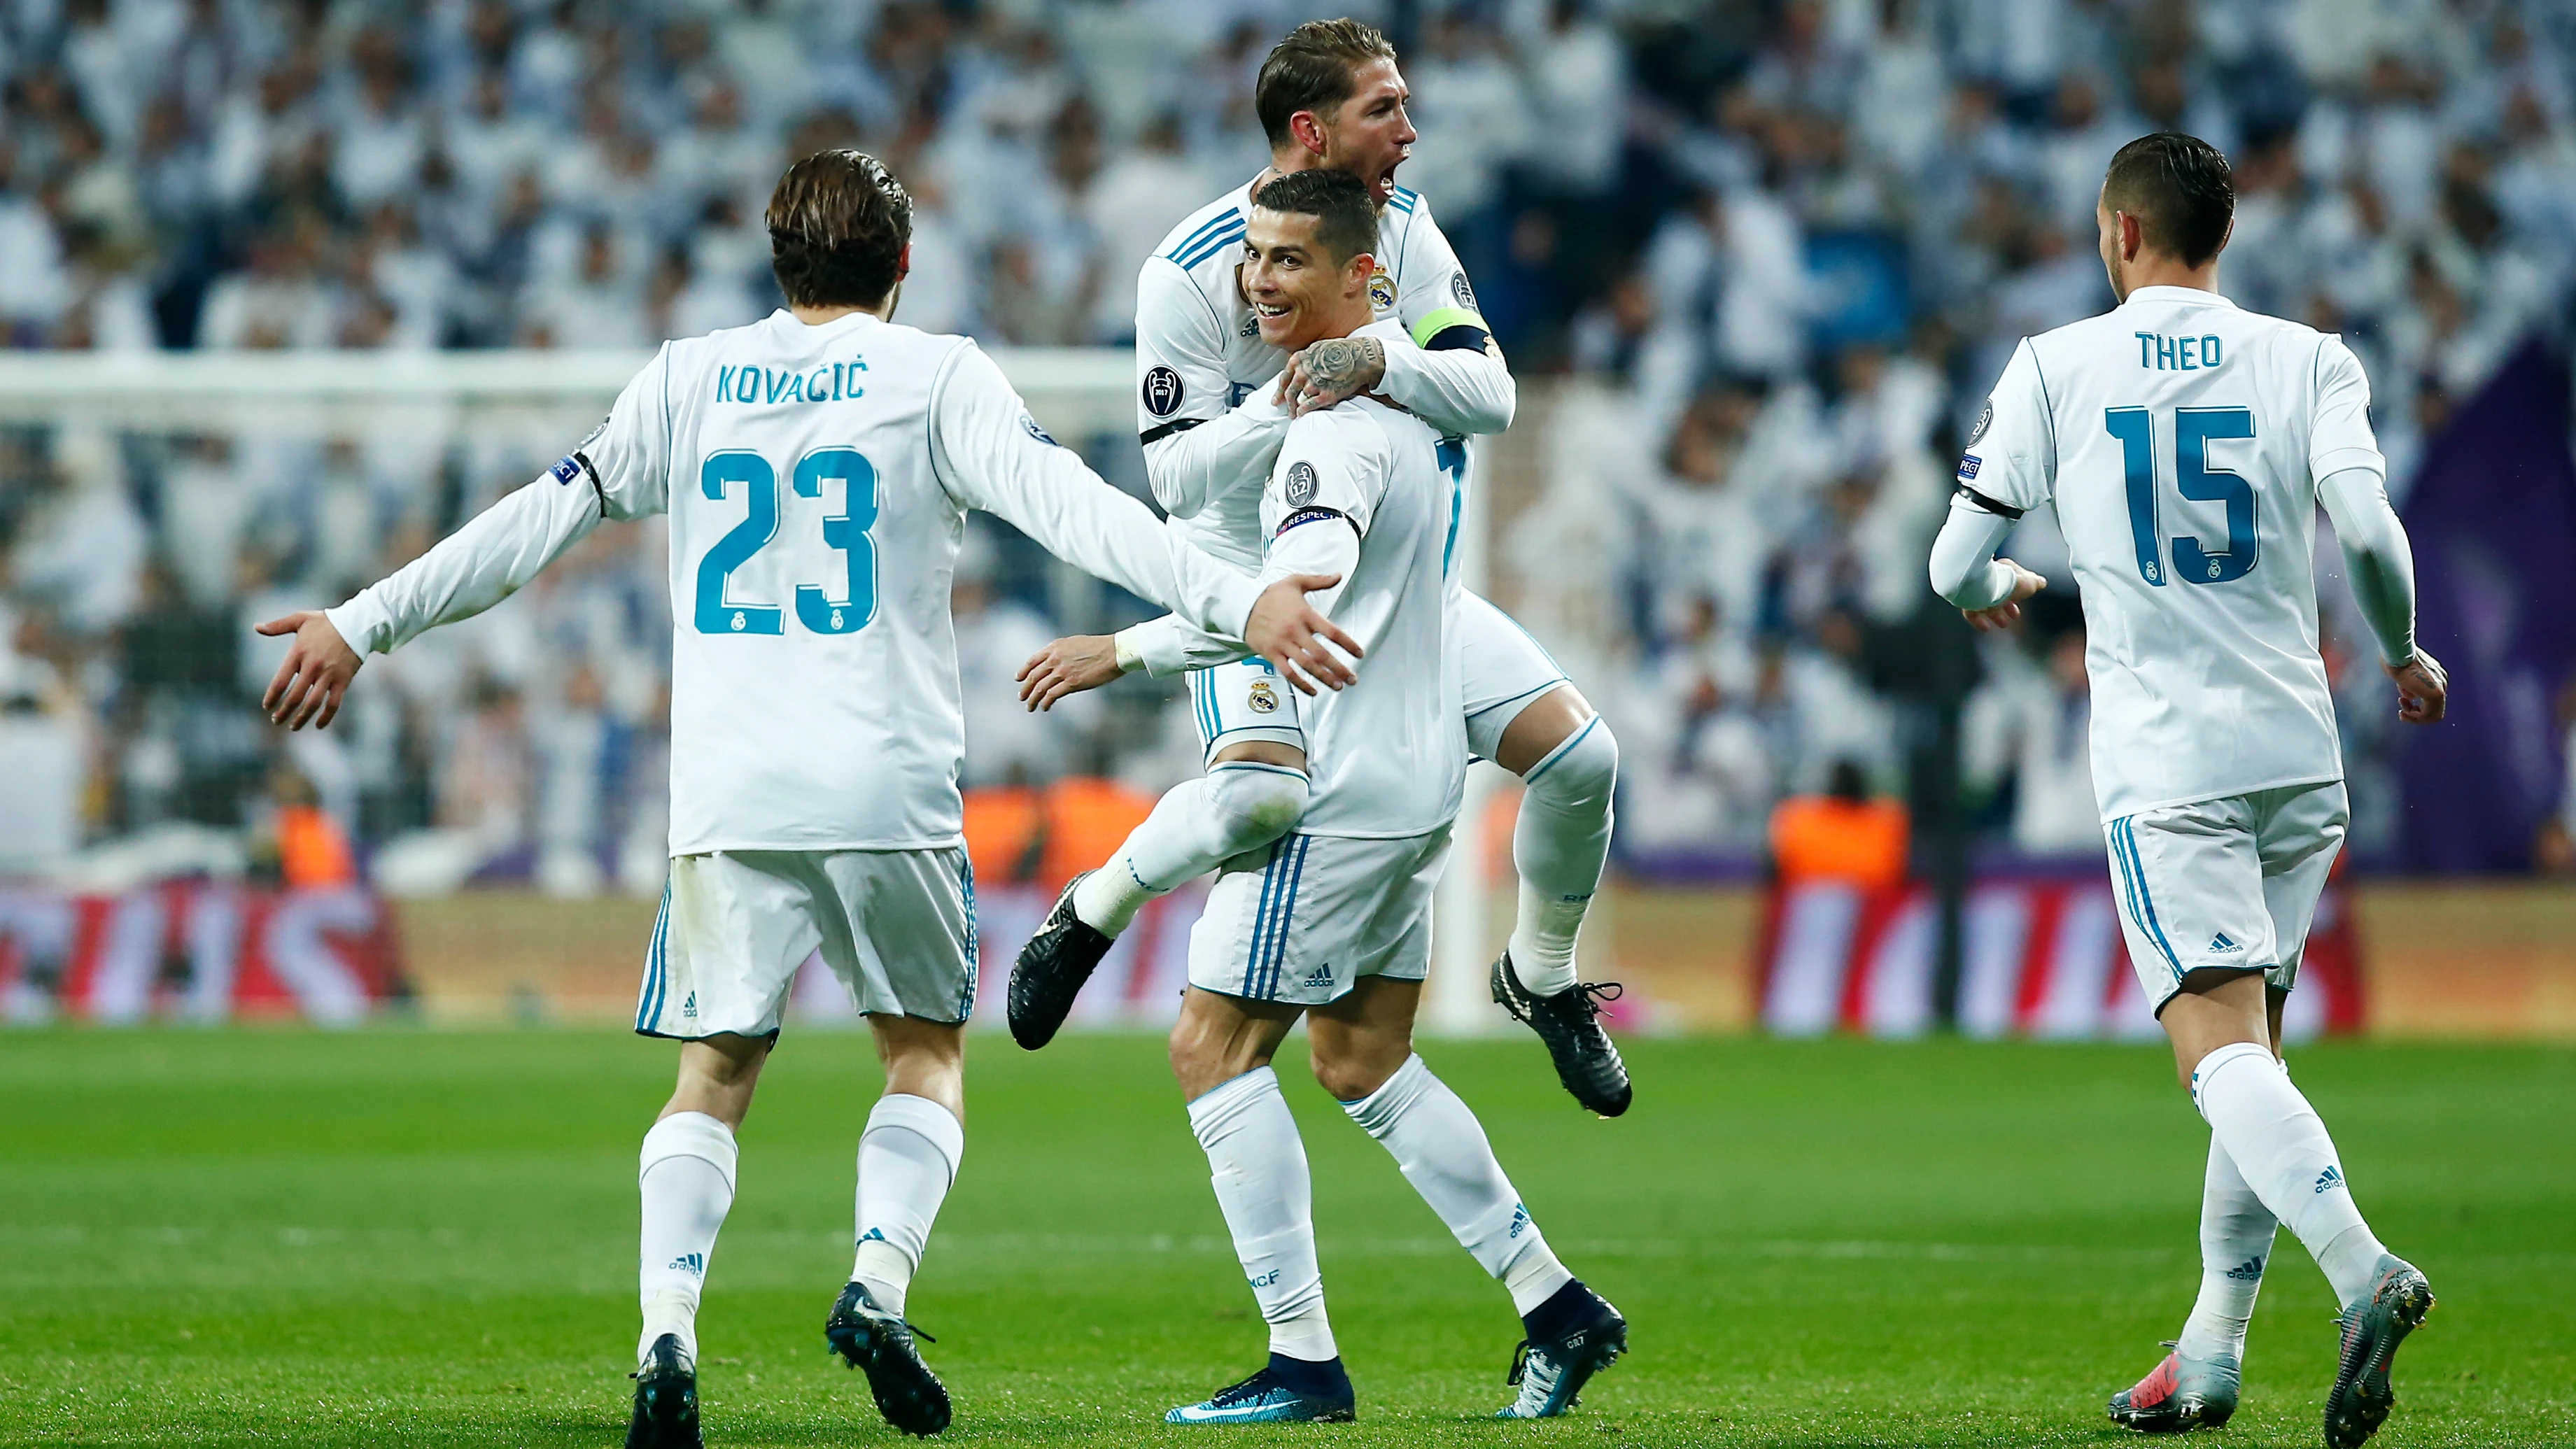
(2186, 444)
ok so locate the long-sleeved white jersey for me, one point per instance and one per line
(2181, 441)
(817, 479)
(1388, 755)
(1203, 406)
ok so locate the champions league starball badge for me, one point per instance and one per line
(1301, 484)
(1985, 420)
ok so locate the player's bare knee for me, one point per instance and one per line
(923, 1058)
(1256, 803)
(1350, 1065)
(1351, 1078)
(1214, 1042)
(717, 1077)
(1583, 767)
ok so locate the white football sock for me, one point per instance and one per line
(1558, 845)
(1197, 826)
(685, 1177)
(1257, 1163)
(1442, 1149)
(908, 1160)
(2278, 1142)
(2235, 1242)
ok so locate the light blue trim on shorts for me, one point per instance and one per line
(2142, 906)
(966, 880)
(1272, 917)
(648, 1003)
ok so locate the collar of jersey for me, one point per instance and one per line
(2192, 295)
(787, 319)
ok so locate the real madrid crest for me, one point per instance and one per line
(1381, 290)
(1262, 698)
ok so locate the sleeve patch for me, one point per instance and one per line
(1163, 392)
(566, 469)
(1985, 420)
(1968, 466)
(1460, 292)
(1301, 484)
(1304, 516)
(1029, 425)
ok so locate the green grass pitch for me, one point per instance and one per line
(396, 1237)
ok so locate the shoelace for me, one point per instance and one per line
(1251, 1388)
(906, 1324)
(1520, 1363)
(1587, 998)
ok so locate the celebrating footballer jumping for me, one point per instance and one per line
(1320, 405)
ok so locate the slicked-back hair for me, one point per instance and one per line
(1310, 70)
(2180, 190)
(838, 224)
(1345, 214)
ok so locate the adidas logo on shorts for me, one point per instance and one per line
(2331, 1177)
(2221, 944)
(2249, 1271)
(1321, 978)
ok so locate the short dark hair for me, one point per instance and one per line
(1310, 70)
(838, 224)
(2179, 189)
(1345, 214)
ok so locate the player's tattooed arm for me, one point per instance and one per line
(1069, 666)
(1330, 371)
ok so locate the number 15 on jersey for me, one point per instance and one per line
(2193, 431)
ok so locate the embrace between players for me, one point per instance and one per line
(1311, 367)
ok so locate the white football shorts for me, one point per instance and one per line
(2224, 885)
(1504, 668)
(1505, 671)
(896, 926)
(1306, 918)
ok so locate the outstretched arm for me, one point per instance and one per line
(991, 458)
(469, 571)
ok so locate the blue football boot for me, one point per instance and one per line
(1286, 1391)
(1572, 1336)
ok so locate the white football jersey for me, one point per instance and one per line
(1199, 354)
(817, 479)
(2180, 440)
(1388, 754)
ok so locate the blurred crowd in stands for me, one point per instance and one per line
(1756, 261)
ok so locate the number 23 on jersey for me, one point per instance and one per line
(750, 474)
